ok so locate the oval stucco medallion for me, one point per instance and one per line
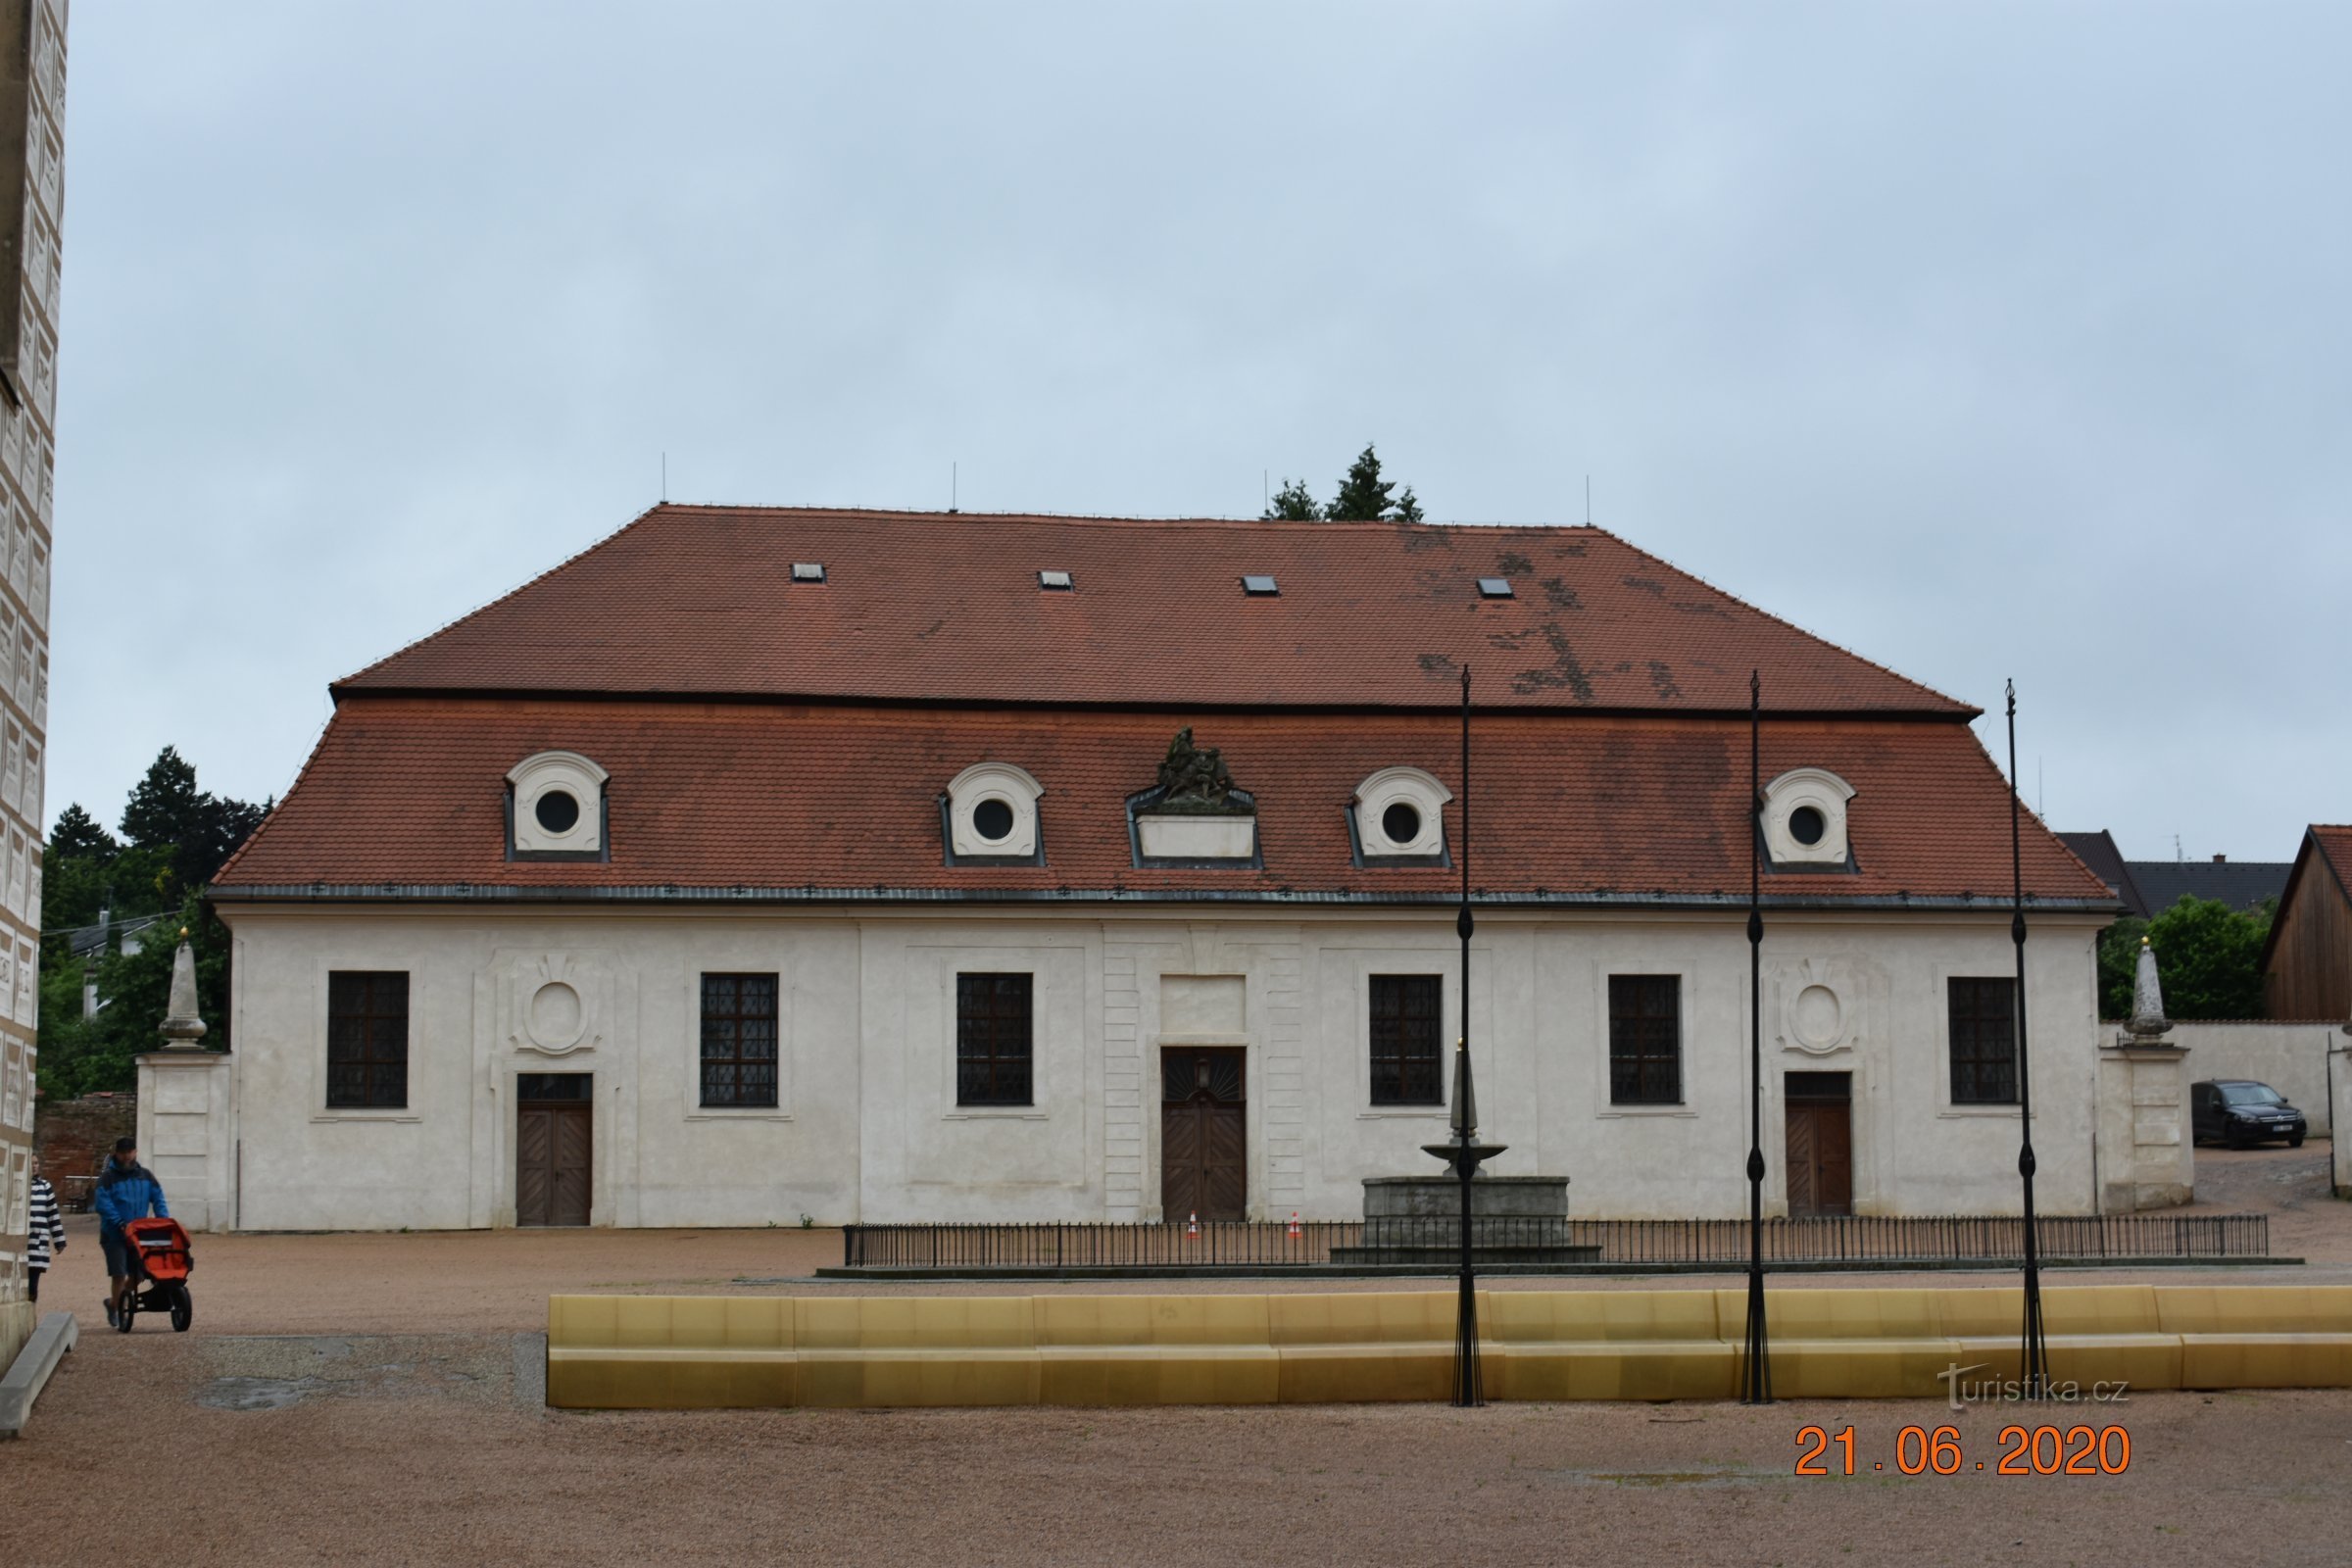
(557, 1016)
(1817, 1018)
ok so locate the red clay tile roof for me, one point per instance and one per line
(411, 791)
(946, 608)
(2336, 843)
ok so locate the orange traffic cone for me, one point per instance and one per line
(1294, 1224)
(1191, 1226)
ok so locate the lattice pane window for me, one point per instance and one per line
(367, 1040)
(1408, 1012)
(992, 1039)
(739, 1040)
(1646, 1040)
(1983, 1042)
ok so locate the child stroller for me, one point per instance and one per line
(160, 1265)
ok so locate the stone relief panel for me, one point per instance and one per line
(554, 1003)
(1818, 1005)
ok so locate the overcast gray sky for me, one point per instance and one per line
(1983, 339)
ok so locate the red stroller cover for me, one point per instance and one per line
(160, 1248)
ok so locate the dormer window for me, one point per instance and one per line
(556, 808)
(1805, 819)
(990, 817)
(1398, 818)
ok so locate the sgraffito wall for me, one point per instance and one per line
(32, 83)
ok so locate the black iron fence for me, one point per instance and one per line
(1863, 1238)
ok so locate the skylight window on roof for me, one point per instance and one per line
(1056, 582)
(1494, 588)
(808, 571)
(1259, 585)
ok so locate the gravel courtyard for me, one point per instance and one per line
(372, 1398)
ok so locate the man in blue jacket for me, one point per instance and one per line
(127, 1191)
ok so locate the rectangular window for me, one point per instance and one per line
(993, 1040)
(367, 1040)
(1408, 1013)
(739, 1040)
(1983, 1042)
(1646, 1040)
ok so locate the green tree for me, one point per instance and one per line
(167, 811)
(1364, 496)
(178, 836)
(78, 834)
(79, 1055)
(166, 807)
(1294, 503)
(2208, 957)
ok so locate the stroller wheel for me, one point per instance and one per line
(129, 1311)
(183, 1309)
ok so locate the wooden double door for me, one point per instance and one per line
(555, 1148)
(1204, 1134)
(1821, 1143)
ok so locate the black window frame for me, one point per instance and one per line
(1981, 1047)
(1397, 1033)
(732, 1069)
(1646, 1040)
(367, 1040)
(996, 1038)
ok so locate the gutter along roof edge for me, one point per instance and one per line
(338, 691)
(474, 893)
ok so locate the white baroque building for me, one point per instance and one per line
(762, 862)
(32, 118)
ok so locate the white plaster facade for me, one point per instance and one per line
(866, 1126)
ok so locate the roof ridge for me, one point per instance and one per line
(1122, 520)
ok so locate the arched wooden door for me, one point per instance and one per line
(1204, 1134)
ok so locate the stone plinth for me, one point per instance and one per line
(2147, 1158)
(187, 1134)
(1418, 1219)
(1196, 837)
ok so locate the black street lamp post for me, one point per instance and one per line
(2034, 1352)
(1463, 1153)
(1755, 1386)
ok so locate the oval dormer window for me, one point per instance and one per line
(991, 810)
(1399, 816)
(558, 806)
(1805, 819)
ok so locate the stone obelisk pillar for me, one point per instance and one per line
(187, 1112)
(2147, 1158)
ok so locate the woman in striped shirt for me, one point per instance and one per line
(46, 1229)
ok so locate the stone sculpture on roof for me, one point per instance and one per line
(1194, 778)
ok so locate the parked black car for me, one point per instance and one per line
(2240, 1112)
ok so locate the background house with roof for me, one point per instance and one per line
(767, 861)
(2148, 888)
(2307, 964)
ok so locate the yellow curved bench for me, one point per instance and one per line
(684, 1352)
